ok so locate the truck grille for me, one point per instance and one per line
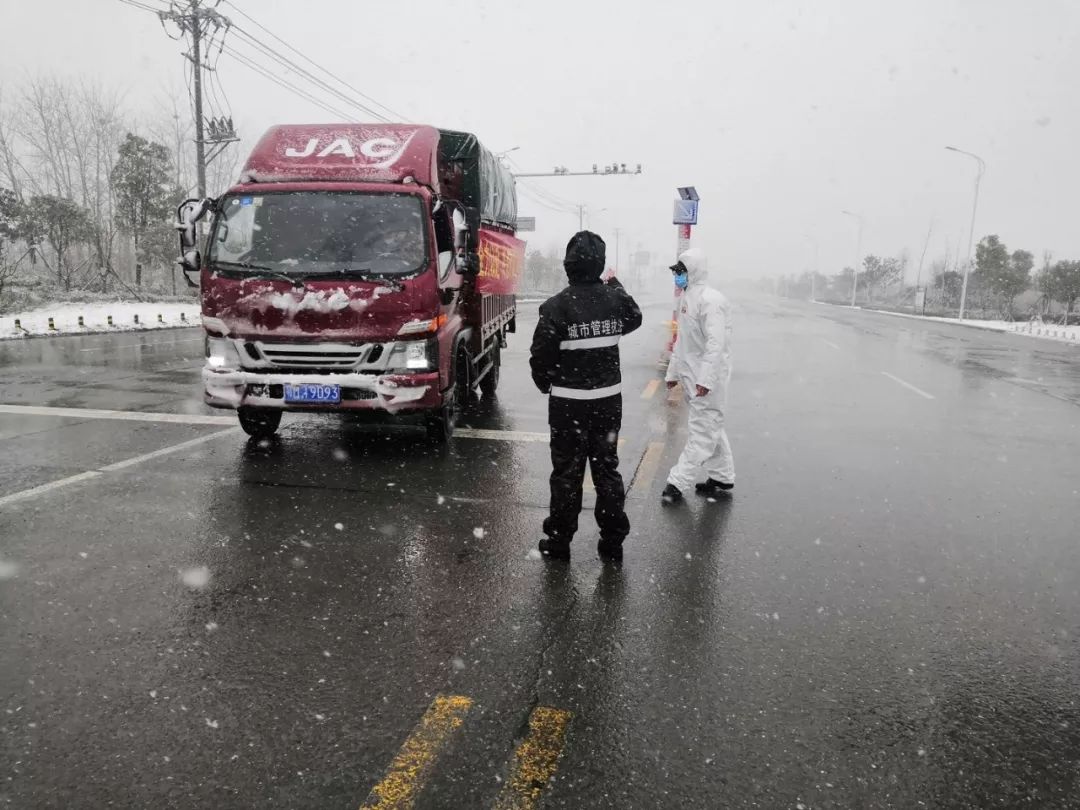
(313, 356)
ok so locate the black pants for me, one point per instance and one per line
(586, 430)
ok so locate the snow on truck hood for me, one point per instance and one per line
(340, 311)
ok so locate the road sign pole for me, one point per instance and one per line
(685, 217)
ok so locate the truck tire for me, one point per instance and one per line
(490, 382)
(440, 428)
(259, 423)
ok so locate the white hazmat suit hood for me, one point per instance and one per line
(702, 357)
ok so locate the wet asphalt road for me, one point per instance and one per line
(884, 615)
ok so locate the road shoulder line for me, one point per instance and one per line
(908, 385)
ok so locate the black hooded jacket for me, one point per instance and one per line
(575, 348)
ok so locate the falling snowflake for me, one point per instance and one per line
(83, 554)
(339, 454)
(211, 723)
(198, 577)
(458, 664)
(211, 626)
(153, 693)
(339, 526)
(689, 556)
(534, 554)
(320, 717)
(8, 570)
(776, 617)
(326, 653)
(440, 500)
(479, 532)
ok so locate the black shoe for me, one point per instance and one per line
(554, 549)
(671, 494)
(609, 549)
(713, 488)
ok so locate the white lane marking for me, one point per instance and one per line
(145, 343)
(908, 385)
(203, 419)
(831, 345)
(501, 435)
(165, 451)
(33, 492)
(126, 416)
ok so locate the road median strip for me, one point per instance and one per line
(411, 767)
(536, 760)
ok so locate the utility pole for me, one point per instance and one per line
(580, 217)
(617, 231)
(858, 256)
(974, 210)
(196, 60)
(196, 20)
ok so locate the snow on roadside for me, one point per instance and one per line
(1047, 331)
(96, 318)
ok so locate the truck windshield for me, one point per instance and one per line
(321, 233)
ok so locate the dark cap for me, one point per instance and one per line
(678, 267)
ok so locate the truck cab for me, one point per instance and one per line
(355, 268)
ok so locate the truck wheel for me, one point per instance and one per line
(441, 428)
(491, 380)
(259, 423)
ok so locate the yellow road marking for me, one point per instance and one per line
(410, 768)
(535, 760)
(650, 389)
(650, 462)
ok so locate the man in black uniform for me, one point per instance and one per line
(575, 358)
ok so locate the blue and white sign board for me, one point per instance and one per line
(685, 212)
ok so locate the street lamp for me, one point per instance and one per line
(813, 275)
(858, 255)
(971, 236)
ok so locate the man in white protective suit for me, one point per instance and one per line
(701, 364)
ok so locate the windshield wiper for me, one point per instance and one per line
(261, 271)
(363, 274)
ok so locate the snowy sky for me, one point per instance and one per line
(782, 113)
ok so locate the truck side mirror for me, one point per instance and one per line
(461, 230)
(188, 215)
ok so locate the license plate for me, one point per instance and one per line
(313, 394)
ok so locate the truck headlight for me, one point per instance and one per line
(222, 354)
(413, 355)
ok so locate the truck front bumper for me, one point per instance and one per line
(392, 393)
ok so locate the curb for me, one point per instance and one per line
(92, 331)
(1013, 329)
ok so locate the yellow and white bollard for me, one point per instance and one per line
(52, 325)
(136, 318)
(108, 320)
(82, 323)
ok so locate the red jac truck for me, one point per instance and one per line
(368, 269)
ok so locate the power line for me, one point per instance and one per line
(548, 206)
(314, 64)
(287, 63)
(143, 6)
(251, 65)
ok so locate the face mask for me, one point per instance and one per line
(682, 281)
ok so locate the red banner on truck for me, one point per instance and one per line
(502, 261)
